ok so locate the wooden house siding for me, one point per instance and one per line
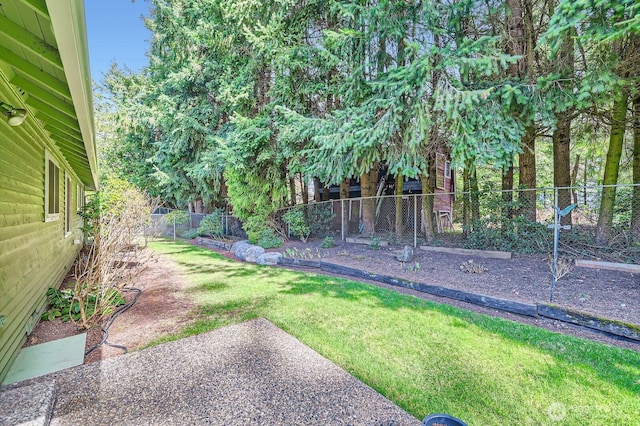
(52, 84)
(34, 254)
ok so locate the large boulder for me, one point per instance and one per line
(245, 251)
(252, 253)
(238, 248)
(271, 258)
(405, 255)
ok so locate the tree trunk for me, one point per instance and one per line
(466, 203)
(527, 175)
(507, 199)
(345, 187)
(368, 185)
(561, 163)
(574, 179)
(562, 134)
(516, 41)
(475, 194)
(635, 200)
(292, 191)
(471, 198)
(316, 190)
(198, 206)
(398, 199)
(305, 189)
(325, 193)
(516, 70)
(611, 167)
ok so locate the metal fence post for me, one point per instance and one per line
(174, 227)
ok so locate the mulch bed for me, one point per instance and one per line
(523, 278)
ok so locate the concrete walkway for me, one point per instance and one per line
(247, 374)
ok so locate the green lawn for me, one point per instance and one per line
(424, 356)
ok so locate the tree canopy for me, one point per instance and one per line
(243, 102)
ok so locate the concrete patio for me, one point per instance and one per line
(250, 373)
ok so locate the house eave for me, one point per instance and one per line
(68, 21)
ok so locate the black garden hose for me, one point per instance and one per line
(112, 318)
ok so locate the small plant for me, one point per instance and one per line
(269, 239)
(414, 268)
(328, 242)
(297, 222)
(307, 253)
(63, 304)
(472, 268)
(375, 243)
(291, 252)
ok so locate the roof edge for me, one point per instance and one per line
(69, 26)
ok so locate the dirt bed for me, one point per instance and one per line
(524, 278)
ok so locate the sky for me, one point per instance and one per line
(117, 33)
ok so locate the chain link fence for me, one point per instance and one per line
(515, 221)
(174, 223)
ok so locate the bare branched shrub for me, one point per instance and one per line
(116, 231)
(563, 267)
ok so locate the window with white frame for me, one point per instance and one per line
(80, 197)
(447, 169)
(51, 189)
(68, 204)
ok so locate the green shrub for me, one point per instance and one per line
(211, 225)
(254, 227)
(328, 242)
(297, 222)
(63, 305)
(190, 234)
(90, 214)
(179, 217)
(319, 218)
(269, 239)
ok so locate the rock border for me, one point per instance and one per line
(618, 328)
(208, 242)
